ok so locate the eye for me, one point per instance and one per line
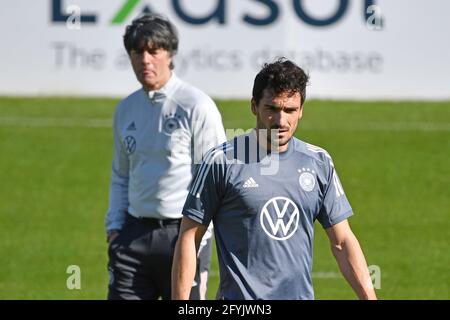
(291, 110)
(137, 51)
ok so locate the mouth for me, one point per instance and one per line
(282, 131)
(147, 72)
(278, 134)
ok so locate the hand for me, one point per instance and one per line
(112, 235)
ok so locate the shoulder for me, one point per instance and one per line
(220, 154)
(190, 97)
(313, 152)
(241, 149)
(315, 158)
(128, 103)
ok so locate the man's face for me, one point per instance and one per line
(279, 113)
(151, 66)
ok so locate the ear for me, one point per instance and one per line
(254, 107)
(300, 113)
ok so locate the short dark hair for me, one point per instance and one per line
(153, 28)
(280, 76)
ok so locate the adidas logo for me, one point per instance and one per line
(132, 127)
(251, 183)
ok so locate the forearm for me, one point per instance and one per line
(118, 190)
(353, 266)
(183, 267)
(118, 202)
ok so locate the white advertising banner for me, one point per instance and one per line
(352, 49)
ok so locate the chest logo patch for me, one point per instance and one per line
(171, 123)
(131, 127)
(279, 218)
(307, 179)
(130, 144)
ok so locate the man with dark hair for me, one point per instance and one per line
(161, 132)
(264, 219)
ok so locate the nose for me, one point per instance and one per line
(279, 119)
(146, 57)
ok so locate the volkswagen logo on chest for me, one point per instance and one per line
(130, 144)
(279, 218)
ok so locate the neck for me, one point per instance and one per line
(159, 85)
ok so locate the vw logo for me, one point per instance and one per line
(279, 218)
(130, 144)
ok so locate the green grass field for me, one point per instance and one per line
(392, 158)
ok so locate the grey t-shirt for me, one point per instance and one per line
(264, 219)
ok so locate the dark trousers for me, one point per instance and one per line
(140, 260)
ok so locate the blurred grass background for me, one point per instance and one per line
(392, 159)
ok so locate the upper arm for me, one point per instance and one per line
(339, 233)
(191, 229)
(207, 189)
(335, 206)
(207, 125)
(120, 158)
